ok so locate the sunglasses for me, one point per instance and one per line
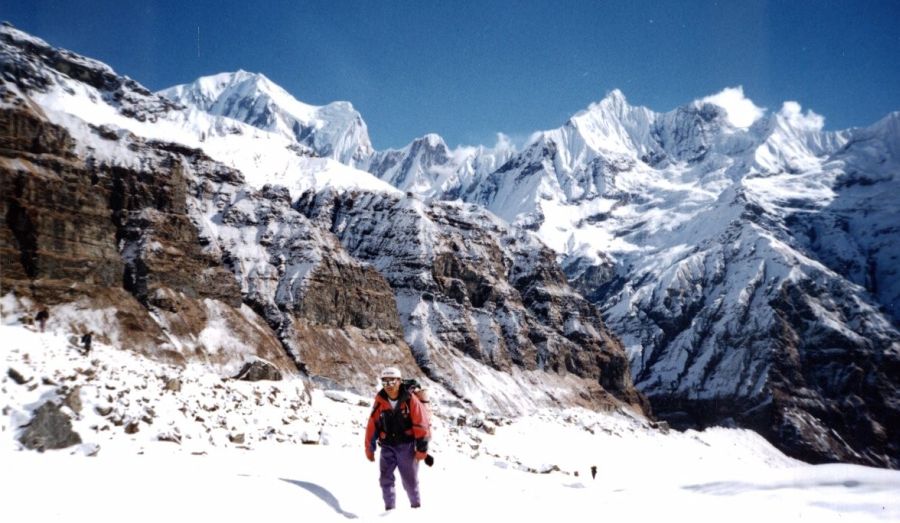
(389, 381)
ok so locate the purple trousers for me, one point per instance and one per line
(401, 456)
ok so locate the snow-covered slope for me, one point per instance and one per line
(214, 448)
(736, 257)
(701, 232)
(89, 98)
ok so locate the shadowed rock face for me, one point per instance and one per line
(836, 395)
(115, 240)
(803, 360)
(467, 285)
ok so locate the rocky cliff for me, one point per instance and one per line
(159, 248)
(470, 288)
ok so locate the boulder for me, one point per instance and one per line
(49, 429)
(258, 371)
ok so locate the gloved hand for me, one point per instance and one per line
(429, 460)
(421, 455)
(370, 455)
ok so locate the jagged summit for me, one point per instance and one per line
(720, 239)
(432, 140)
(211, 93)
(614, 103)
(335, 130)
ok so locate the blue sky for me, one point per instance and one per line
(467, 70)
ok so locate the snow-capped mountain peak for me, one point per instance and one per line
(794, 141)
(746, 260)
(432, 140)
(217, 93)
(335, 130)
(609, 125)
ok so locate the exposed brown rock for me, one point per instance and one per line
(113, 238)
(342, 295)
(349, 357)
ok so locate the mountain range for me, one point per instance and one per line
(715, 264)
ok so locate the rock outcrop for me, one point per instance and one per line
(49, 429)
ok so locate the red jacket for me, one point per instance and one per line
(404, 423)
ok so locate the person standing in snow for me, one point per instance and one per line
(86, 342)
(42, 317)
(398, 424)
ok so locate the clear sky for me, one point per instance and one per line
(468, 70)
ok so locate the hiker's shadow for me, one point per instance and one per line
(323, 494)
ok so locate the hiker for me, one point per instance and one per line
(86, 342)
(399, 425)
(593, 471)
(41, 317)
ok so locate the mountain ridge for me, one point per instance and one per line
(682, 226)
(137, 188)
(748, 270)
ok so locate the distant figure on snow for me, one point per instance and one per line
(593, 471)
(86, 342)
(398, 424)
(41, 318)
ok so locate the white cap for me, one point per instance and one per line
(391, 372)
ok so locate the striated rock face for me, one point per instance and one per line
(177, 248)
(164, 249)
(335, 317)
(113, 239)
(467, 285)
(834, 393)
(45, 234)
